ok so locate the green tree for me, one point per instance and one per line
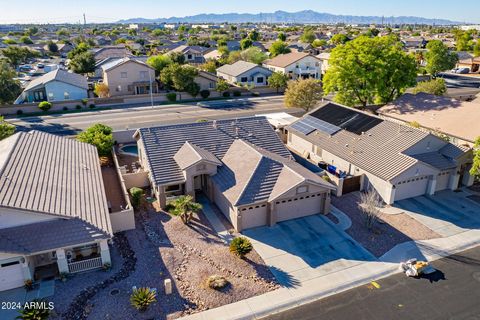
(177, 57)
(475, 169)
(278, 47)
(80, 48)
(17, 55)
(339, 38)
(434, 86)
(308, 36)
(476, 49)
(439, 58)
(305, 94)
(254, 35)
(100, 136)
(210, 66)
(83, 63)
(32, 31)
(277, 80)
(254, 55)
(369, 70)
(180, 78)
(319, 43)
(246, 43)
(222, 85)
(26, 40)
(52, 47)
(159, 62)
(63, 32)
(281, 36)
(185, 207)
(6, 129)
(10, 88)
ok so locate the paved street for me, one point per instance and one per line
(452, 293)
(136, 117)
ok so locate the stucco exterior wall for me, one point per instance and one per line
(120, 86)
(56, 91)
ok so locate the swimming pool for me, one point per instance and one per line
(130, 149)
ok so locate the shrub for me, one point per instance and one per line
(65, 108)
(216, 282)
(136, 194)
(237, 93)
(201, 120)
(78, 107)
(369, 204)
(326, 178)
(141, 298)
(19, 112)
(205, 94)
(226, 94)
(36, 310)
(92, 106)
(255, 94)
(45, 106)
(106, 266)
(240, 246)
(84, 102)
(172, 96)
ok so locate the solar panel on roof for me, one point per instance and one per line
(321, 125)
(302, 127)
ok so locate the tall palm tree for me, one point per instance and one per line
(185, 207)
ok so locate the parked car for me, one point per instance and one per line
(463, 70)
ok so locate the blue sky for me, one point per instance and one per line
(56, 11)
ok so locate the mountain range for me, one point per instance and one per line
(306, 16)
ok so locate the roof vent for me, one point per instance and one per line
(346, 145)
(214, 124)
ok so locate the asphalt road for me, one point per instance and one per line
(146, 116)
(452, 293)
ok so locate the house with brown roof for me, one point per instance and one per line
(457, 120)
(241, 165)
(53, 209)
(297, 65)
(361, 151)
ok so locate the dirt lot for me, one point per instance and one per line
(389, 231)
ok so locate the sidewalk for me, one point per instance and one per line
(286, 298)
(217, 225)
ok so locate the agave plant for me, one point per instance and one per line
(35, 310)
(141, 298)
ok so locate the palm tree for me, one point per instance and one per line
(37, 309)
(184, 206)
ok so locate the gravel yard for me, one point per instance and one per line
(387, 233)
(166, 248)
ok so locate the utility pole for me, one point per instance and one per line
(84, 20)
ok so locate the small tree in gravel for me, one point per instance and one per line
(37, 309)
(369, 204)
(141, 298)
(185, 207)
(240, 246)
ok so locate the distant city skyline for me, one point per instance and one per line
(33, 11)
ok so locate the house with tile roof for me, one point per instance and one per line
(396, 160)
(244, 73)
(296, 65)
(128, 76)
(56, 85)
(241, 165)
(53, 210)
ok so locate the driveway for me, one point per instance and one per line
(447, 212)
(303, 249)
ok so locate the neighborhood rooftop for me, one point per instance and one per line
(161, 143)
(59, 75)
(366, 141)
(237, 68)
(45, 173)
(284, 60)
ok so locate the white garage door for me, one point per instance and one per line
(299, 207)
(254, 217)
(11, 275)
(442, 181)
(412, 187)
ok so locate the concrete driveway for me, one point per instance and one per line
(447, 212)
(303, 249)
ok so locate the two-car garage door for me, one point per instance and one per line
(299, 207)
(410, 188)
(11, 275)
